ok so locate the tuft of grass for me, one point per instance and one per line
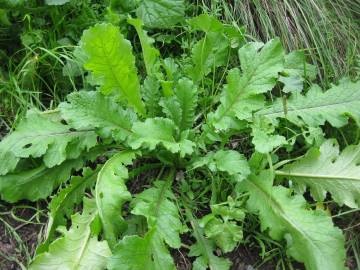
(40, 80)
(349, 221)
(36, 44)
(329, 31)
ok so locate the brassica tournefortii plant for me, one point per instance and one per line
(156, 147)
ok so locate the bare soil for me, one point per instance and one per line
(18, 239)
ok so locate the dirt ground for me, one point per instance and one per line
(18, 239)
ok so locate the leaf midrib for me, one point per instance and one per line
(317, 176)
(85, 245)
(292, 109)
(57, 133)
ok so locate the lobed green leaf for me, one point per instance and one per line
(62, 205)
(111, 194)
(156, 131)
(310, 234)
(260, 66)
(325, 169)
(90, 109)
(181, 106)
(316, 107)
(78, 248)
(160, 211)
(40, 135)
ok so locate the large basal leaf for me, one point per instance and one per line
(156, 131)
(134, 252)
(78, 248)
(260, 67)
(334, 105)
(161, 13)
(310, 234)
(150, 54)
(112, 63)
(111, 194)
(95, 111)
(325, 169)
(37, 183)
(62, 205)
(40, 135)
(181, 106)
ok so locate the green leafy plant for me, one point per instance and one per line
(176, 120)
(39, 68)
